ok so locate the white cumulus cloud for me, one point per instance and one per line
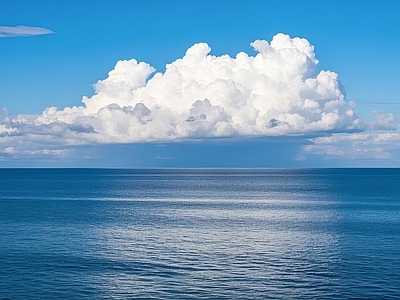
(274, 93)
(384, 121)
(15, 31)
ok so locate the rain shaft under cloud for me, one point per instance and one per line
(274, 93)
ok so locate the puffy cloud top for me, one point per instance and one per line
(276, 92)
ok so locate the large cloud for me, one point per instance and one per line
(274, 93)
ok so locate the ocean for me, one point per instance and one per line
(200, 234)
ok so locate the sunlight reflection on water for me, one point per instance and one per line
(258, 247)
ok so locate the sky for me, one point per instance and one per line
(260, 84)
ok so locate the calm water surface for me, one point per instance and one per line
(192, 234)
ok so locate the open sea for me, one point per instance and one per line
(200, 234)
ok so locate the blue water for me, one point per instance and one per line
(192, 234)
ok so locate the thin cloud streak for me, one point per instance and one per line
(17, 31)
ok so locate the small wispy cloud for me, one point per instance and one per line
(15, 31)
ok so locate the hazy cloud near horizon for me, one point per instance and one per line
(274, 93)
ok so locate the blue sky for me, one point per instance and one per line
(358, 40)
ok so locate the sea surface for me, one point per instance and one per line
(200, 234)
